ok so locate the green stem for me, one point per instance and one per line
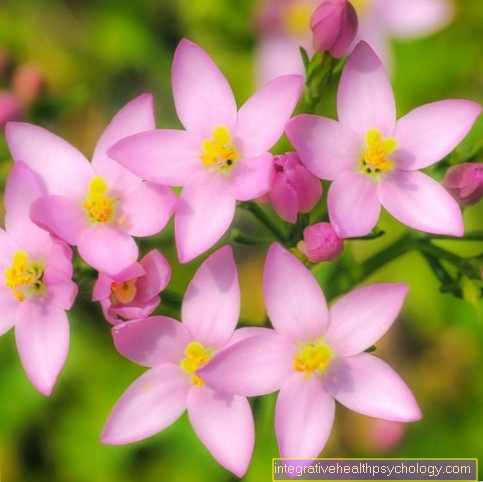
(439, 253)
(239, 237)
(474, 236)
(260, 214)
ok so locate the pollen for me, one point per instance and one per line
(218, 152)
(313, 357)
(123, 293)
(100, 208)
(196, 356)
(376, 157)
(24, 278)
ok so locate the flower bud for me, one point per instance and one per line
(334, 25)
(10, 107)
(320, 243)
(465, 182)
(294, 188)
(28, 82)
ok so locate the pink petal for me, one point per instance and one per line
(326, 147)
(420, 202)
(353, 204)
(308, 187)
(295, 303)
(10, 306)
(250, 178)
(430, 132)
(130, 312)
(284, 198)
(42, 336)
(360, 318)
(370, 386)
(365, 98)
(147, 210)
(62, 168)
(224, 423)
(107, 249)
(162, 156)
(211, 305)
(151, 341)
(202, 95)
(60, 287)
(304, 416)
(262, 118)
(414, 18)
(21, 190)
(60, 215)
(205, 211)
(156, 277)
(136, 116)
(255, 366)
(152, 403)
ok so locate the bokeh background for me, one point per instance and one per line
(79, 62)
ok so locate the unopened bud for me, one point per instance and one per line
(321, 243)
(465, 182)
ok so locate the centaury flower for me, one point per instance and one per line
(96, 206)
(221, 157)
(315, 356)
(36, 286)
(174, 352)
(372, 159)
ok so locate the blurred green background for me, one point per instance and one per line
(95, 56)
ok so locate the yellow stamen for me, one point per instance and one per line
(296, 18)
(23, 277)
(218, 152)
(123, 293)
(98, 206)
(196, 356)
(312, 357)
(375, 159)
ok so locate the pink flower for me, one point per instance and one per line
(371, 159)
(320, 243)
(316, 355)
(465, 183)
(134, 292)
(221, 157)
(97, 207)
(334, 24)
(293, 188)
(174, 352)
(37, 288)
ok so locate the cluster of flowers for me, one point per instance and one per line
(55, 198)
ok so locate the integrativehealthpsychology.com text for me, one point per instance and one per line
(375, 469)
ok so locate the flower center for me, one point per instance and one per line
(296, 18)
(312, 357)
(24, 278)
(99, 207)
(376, 158)
(218, 152)
(123, 293)
(196, 356)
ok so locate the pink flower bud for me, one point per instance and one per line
(465, 182)
(28, 82)
(334, 24)
(294, 189)
(320, 243)
(10, 107)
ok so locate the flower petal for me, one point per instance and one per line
(42, 336)
(224, 423)
(162, 156)
(295, 302)
(156, 277)
(257, 365)
(107, 249)
(211, 305)
(360, 318)
(152, 403)
(60, 215)
(370, 386)
(147, 210)
(420, 202)
(151, 341)
(205, 211)
(353, 204)
(428, 133)
(9, 305)
(262, 118)
(365, 98)
(62, 168)
(202, 95)
(326, 147)
(284, 198)
(250, 178)
(304, 416)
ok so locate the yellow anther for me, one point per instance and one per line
(196, 356)
(313, 357)
(123, 293)
(375, 159)
(218, 152)
(24, 278)
(98, 206)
